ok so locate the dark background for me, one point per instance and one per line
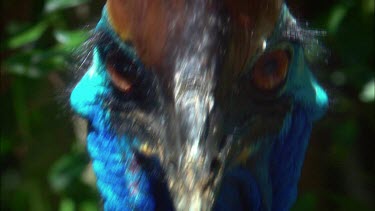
(43, 161)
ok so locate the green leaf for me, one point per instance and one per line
(66, 170)
(337, 16)
(53, 5)
(35, 63)
(368, 92)
(30, 35)
(67, 205)
(368, 7)
(88, 206)
(69, 40)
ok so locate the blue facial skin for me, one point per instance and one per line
(124, 185)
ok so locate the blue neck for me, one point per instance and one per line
(242, 189)
(121, 181)
(287, 156)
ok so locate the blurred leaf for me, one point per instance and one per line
(35, 63)
(368, 7)
(306, 202)
(53, 5)
(20, 108)
(347, 203)
(368, 92)
(345, 135)
(88, 206)
(5, 145)
(70, 39)
(338, 78)
(36, 199)
(66, 170)
(67, 205)
(353, 39)
(337, 15)
(30, 35)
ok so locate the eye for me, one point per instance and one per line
(271, 69)
(130, 79)
(120, 70)
(118, 80)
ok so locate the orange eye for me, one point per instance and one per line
(270, 70)
(120, 81)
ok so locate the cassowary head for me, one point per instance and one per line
(200, 104)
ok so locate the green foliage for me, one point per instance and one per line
(342, 144)
(44, 165)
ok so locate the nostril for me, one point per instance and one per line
(222, 142)
(215, 165)
(206, 128)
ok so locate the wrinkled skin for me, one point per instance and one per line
(185, 123)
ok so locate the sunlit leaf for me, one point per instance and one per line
(368, 7)
(53, 5)
(67, 205)
(368, 92)
(30, 35)
(69, 40)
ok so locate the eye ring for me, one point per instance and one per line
(270, 70)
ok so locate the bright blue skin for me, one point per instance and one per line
(125, 186)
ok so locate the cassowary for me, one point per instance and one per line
(198, 104)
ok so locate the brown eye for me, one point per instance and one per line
(120, 81)
(270, 70)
